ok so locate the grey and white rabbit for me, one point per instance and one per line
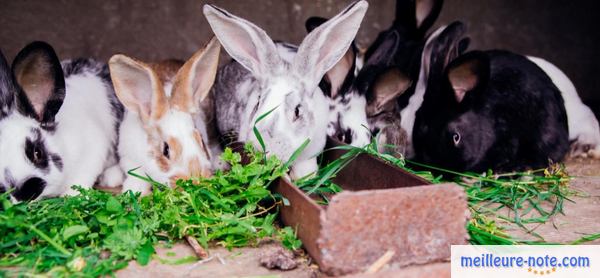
(260, 81)
(58, 125)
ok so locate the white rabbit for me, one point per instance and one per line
(58, 125)
(164, 132)
(261, 80)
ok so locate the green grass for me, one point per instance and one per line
(530, 197)
(96, 233)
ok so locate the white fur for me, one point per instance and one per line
(282, 80)
(583, 125)
(407, 115)
(136, 152)
(83, 139)
(353, 116)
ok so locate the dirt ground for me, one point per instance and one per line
(580, 217)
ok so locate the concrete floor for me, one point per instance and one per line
(580, 217)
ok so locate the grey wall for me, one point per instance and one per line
(562, 31)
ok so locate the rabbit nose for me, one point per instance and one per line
(198, 171)
(175, 178)
(30, 189)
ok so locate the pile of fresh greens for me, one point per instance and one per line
(96, 233)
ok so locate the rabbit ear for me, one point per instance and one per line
(417, 15)
(443, 46)
(467, 73)
(195, 78)
(7, 88)
(245, 42)
(138, 87)
(426, 12)
(341, 75)
(387, 87)
(326, 45)
(38, 72)
(385, 52)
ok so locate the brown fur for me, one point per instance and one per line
(190, 92)
(187, 94)
(166, 69)
(118, 74)
(198, 139)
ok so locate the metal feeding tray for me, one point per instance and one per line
(382, 208)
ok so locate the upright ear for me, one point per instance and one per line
(387, 87)
(323, 48)
(38, 72)
(467, 73)
(443, 46)
(7, 88)
(138, 87)
(385, 52)
(343, 71)
(194, 80)
(244, 41)
(417, 15)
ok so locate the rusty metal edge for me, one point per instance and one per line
(374, 172)
(303, 214)
(306, 216)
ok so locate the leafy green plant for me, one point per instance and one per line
(96, 233)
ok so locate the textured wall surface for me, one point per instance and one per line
(562, 31)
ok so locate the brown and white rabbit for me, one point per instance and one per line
(164, 132)
(58, 125)
(261, 79)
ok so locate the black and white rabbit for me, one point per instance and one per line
(391, 78)
(58, 125)
(381, 82)
(487, 109)
(347, 114)
(584, 130)
(261, 80)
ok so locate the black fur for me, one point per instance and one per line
(35, 150)
(30, 189)
(405, 54)
(7, 88)
(513, 119)
(43, 54)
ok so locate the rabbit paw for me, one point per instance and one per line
(304, 168)
(112, 177)
(136, 185)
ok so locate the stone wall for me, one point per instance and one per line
(562, 31)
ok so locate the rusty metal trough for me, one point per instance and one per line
(382, 208)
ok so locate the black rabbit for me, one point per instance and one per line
(487, 109)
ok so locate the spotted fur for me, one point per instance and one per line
(61, 132)
(166, 127)
(275, 79)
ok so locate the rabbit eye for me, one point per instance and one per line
(297, 112)
(166, 150)
(456, 138)
(37, 154)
